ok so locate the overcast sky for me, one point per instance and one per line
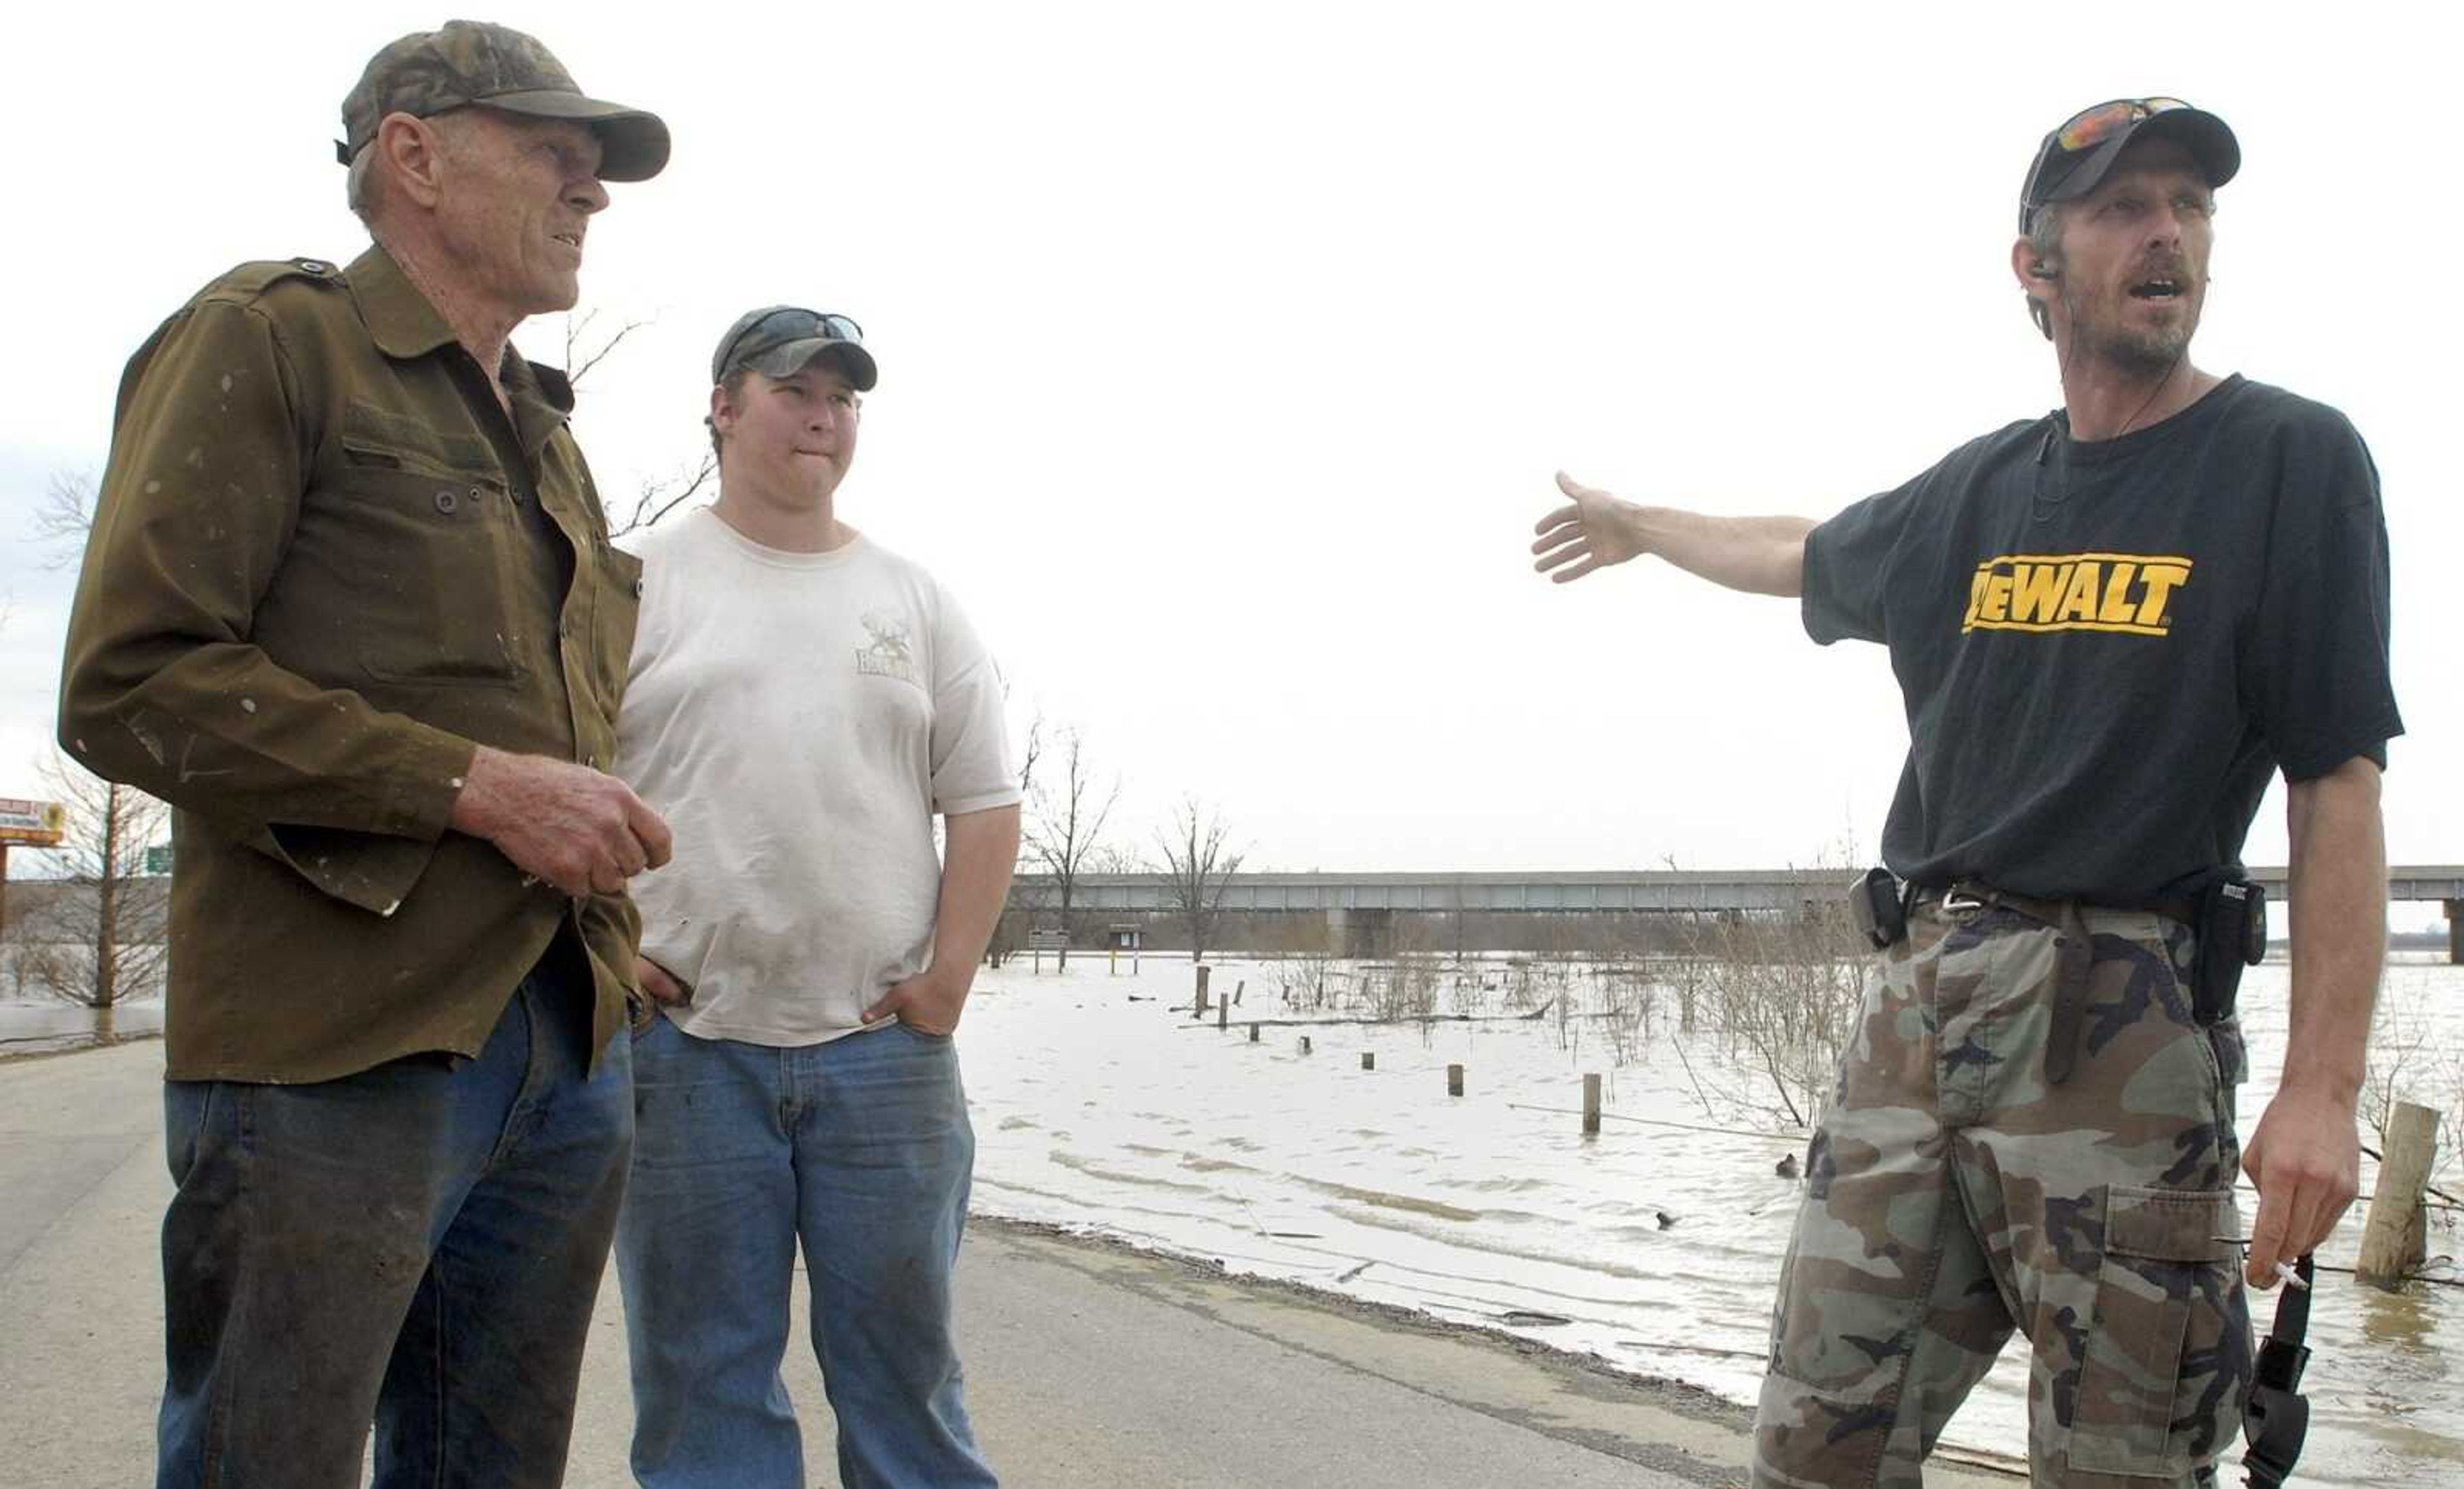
(1227, 350)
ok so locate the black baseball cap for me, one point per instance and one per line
(2076, 155)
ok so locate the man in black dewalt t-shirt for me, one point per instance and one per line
(2110, 624)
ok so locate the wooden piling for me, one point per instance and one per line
(2394, 1239)
(1305, 1043)
(1454, 1079)
(1591, 1105)
(1224, 1014)
(1253, 1034)
(1368, 1060)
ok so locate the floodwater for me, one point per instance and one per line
(27, 1028)
(1654, 1245)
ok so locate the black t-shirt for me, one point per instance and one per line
(2105, 648)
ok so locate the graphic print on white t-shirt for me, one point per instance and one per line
(890, 653)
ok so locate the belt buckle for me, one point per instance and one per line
(1955, 902)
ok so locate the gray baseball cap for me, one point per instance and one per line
(781, 340)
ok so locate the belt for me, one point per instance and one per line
(1971, 894)
(2073, 952)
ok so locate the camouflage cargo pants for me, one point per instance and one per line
(1954, 1195)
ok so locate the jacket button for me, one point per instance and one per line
(447, 501)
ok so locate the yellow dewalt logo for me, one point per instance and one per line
(2125, 592)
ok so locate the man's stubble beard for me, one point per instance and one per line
(2149, 353)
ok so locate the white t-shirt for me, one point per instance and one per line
(799, 718)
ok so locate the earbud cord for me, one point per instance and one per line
(2041, 509)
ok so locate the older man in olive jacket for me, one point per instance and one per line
(349, 605)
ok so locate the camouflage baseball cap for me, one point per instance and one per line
(428, 73)
(781, 340)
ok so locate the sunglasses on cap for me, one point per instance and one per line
(785, 324)
(2089, 128)
(2074, 148)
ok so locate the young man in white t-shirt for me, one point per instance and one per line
(802, 703)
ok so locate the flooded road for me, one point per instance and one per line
(1655, 1246)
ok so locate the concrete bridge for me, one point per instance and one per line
(1353, 902)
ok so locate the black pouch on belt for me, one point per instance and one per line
(1874, 900)
(2232, 934)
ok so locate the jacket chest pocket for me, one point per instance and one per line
(438, 591)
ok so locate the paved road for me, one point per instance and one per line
(1090, 1365)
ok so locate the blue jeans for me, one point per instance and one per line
(418, 1245)
(861, 1150)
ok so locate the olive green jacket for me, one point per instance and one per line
(325, 567)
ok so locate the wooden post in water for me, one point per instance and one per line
(1368, 1060)
(1591, 1105)
(1454, 1079)
(2396, 1235)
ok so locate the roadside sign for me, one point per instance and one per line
(158, 859)
(33, 824)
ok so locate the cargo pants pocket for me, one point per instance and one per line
(2161, 1383)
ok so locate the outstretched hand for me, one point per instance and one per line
(1592, 530)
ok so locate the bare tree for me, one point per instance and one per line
(1108, 858)
(106, 907)
(1065, 819)
(63, 518)
(588, 344)
(658, 498)
(1788, 986)
(584, 349)
(1008, 934)
(1199, 861)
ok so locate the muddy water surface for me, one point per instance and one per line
(1655, 1246)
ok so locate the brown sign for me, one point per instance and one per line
(33, 824)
